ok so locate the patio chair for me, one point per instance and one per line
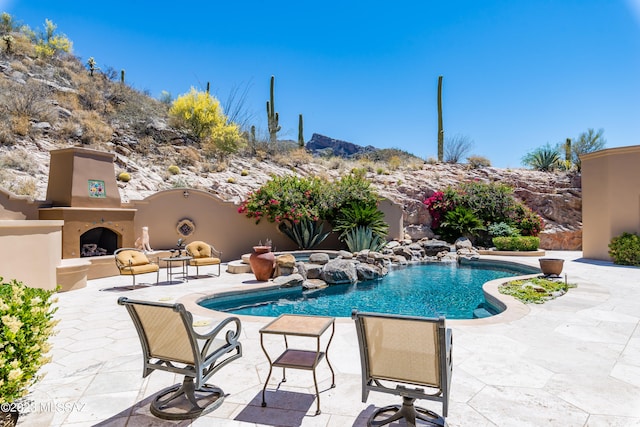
(202, 253)
(132, 261)
(407, 356)
(170, 343)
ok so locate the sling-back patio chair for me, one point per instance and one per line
(170, 343)
(406, 356)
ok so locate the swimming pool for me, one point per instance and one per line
(450, 290)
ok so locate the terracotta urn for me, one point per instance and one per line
(551, 266)
(262, 262)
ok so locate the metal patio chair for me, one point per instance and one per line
(406, 356)
(170, 343)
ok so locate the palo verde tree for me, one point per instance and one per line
(201, 115)
(48, 43)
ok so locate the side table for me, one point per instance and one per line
(301, 326)
(181, 259)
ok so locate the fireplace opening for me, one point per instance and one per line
(98, 241)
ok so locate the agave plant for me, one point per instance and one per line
(543, 159)
(361, 237)
(305, 233)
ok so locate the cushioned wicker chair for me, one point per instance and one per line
(202, 253)
(131, 262)
(407, 356)
(170, 343)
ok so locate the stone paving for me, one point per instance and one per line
(574, 361)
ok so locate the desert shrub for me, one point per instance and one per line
(20, 124)
(295, 157)
(94, 130)
(244, 172)
(49, 44)
(394, 162)
(502, 229)
(456, 147)
(517, 243)
(24, 187)
(173, 170)
(19, 160)
(477, 162)
(124, 177)
(625, 249)
(231, 180)
(188, 156)
(27, 324)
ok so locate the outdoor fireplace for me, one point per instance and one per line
(83, 192)
(98, 241)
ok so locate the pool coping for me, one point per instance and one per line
(513, 309)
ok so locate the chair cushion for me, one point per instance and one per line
(199, 249)
(139, 269)
(204, 261)
(136, 258)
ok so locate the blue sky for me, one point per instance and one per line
(517, 74)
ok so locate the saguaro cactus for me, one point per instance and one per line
(300, 132)
(567, 151)
(440, 129)
(122, 76)
(272, 116)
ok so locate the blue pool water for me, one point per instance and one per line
(425, 290)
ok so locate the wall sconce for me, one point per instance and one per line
(185, 194)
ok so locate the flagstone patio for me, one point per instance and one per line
(573, 361)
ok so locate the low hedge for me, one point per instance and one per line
(517, 243)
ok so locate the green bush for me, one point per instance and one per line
(174, 170)
(625, 249)
(517, 243)
(27, 323)
(461, 222)
(477, 162)
(502, 229)
(124, 177)
(360, 214)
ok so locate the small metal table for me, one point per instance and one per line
(301, 326)
(184, 260)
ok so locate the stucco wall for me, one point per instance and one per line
(219, 223)
(30, 252)
(610, 198)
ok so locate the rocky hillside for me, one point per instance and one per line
(55, 103)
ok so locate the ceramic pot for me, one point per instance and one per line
(551, 266)
(262, 262)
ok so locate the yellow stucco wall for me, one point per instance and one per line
(610, 198)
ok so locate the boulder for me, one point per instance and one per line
(463, 242)
(319, 258)
(313, 271)
(339, 271)
(433, 247)
(314, 284)
(286, 260)
(368, 272)
(289, 281)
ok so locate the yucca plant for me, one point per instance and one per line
(361, 238)
(306, 233)
(545, 159)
